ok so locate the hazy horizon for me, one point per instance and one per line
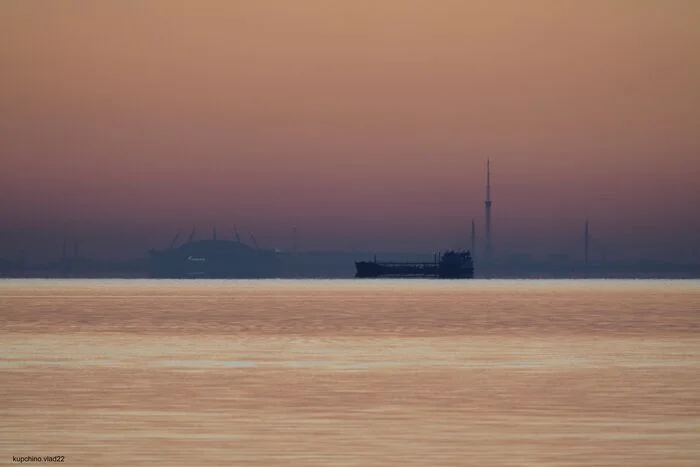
(365, 124)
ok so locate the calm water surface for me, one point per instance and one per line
(351, 373)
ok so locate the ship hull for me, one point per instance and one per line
(452, 265)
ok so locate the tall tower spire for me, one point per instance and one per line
(473, 239)
(294, 241)
(487, 206)
(585, 243)
(295, 257)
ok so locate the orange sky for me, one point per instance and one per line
(365, 123)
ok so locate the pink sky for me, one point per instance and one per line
(367, 124)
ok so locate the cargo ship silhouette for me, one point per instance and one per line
(451, 265)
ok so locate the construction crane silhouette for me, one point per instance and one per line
(172, 243)
(252, 238)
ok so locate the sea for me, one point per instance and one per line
(350, 372)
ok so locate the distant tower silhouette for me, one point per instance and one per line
(473, 239)
(585, 243)
(487, 205)
(295, 257)
(294, 241)
(22, 258)
(213, 234)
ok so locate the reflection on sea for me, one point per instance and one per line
(322, 373)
